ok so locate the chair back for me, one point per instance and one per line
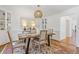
(43, 34)
(4, 39)
(10, 39)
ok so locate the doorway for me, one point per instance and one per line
(67, 28)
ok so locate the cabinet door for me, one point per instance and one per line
(8, 21)
(2, 20)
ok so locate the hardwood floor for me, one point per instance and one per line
(60, 47)
(2, 47)
(77, 52)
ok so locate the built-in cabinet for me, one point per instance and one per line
(8, 21)
(5, 20)
(2, 20)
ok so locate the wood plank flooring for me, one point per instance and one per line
(60, 47)
(2, 47)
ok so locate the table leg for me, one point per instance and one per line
(27, 49)
(48, 40)
(25, 40)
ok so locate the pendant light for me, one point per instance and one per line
(38, 13)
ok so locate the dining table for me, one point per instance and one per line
(29, 36)
(49, 36)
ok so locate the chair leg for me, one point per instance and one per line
(12, 50)
(39, 48)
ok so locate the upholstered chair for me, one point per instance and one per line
(17, 46)
(41, 41)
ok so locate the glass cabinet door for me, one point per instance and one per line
(2, 20)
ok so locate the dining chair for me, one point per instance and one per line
(42, 39)
(16, 44)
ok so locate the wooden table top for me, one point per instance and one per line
(51, 33)
(28, 35)
(32, 35)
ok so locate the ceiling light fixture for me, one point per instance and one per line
(38, 13)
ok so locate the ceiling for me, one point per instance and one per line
(28, 10)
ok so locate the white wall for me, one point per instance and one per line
(15, 27)
(53, 22)
(62, 28)
(3, 33)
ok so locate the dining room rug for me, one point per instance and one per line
(55, 48)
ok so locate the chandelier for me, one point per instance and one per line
(38, 13)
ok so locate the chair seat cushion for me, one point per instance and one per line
(39, 42)
(19, 45)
